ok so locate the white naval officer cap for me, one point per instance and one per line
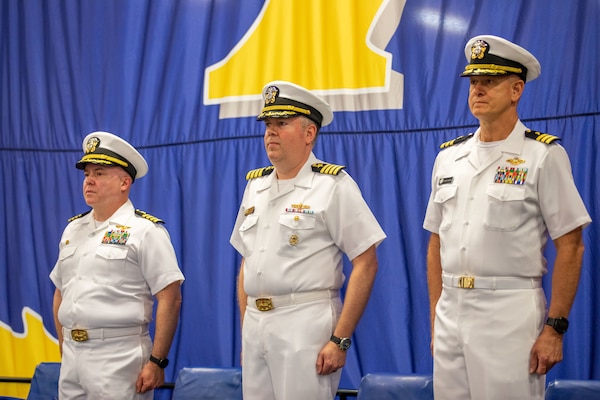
(105, 148)
(493, 55)
(286, 99)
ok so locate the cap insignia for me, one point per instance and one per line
(91, 145)
(478, 49)
(271, 94)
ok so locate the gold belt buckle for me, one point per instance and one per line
(79, 335)
(264, 304)
(466, 282)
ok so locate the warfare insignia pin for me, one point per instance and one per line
(515, 161)
(249, 210)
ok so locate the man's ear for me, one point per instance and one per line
(126, 182)
(517, 89)
(311, 133)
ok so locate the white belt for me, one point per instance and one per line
(267, 303)
(82, 335)
(490, 282)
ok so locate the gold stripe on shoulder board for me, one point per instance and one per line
(79, 216)
(257, 173)
(330, 169)
(457, 140)
(149, 217)
(541, 137)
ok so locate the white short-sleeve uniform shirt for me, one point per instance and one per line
(293, 240)
(108, 274)
(493, 215)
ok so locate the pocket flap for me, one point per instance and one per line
(249, 222)
(504, 192)
(445, 193)
(112, 252)
(298, 221)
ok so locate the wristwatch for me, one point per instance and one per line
(161, 362)
(342, 343)
(560, 324)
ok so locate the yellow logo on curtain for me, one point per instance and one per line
(333, 47)
(21, 352)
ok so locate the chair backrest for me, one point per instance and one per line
(208, 384)
(385, 386)
(566, 389)
(44, 384)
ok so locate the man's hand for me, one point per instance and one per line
(330, 359)
(547, 351)
(151, 377)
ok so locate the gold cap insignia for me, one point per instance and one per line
(271, 94)
(91, 145)
(478, 49)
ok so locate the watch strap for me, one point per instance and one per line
(161, 362)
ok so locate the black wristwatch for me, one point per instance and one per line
(342, 343)
(161, 362)
(560, 324)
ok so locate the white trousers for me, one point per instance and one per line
(103, 368)
(482, 342)
(280, 348)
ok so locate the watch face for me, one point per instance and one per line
(345, 344)
(561, 324)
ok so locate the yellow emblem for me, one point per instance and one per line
(249, 211)
(478, 49)
(515, 161)
(294, 239)
(271, 94)
(123, 227)
(91, 145)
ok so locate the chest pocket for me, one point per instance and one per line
(443, 198)
(110, 265)
(505, 207)
(248, 232)
(68, 266)
(296, 230)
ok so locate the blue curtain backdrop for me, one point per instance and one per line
(137, 68)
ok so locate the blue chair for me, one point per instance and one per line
(565, 389)
(385, 386)
(44, 384)
(208, 384)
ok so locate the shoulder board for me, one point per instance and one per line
(541, 137)
(257, 173)
(152, 218)
(457, 140)
(79, 216)
(330, 169)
